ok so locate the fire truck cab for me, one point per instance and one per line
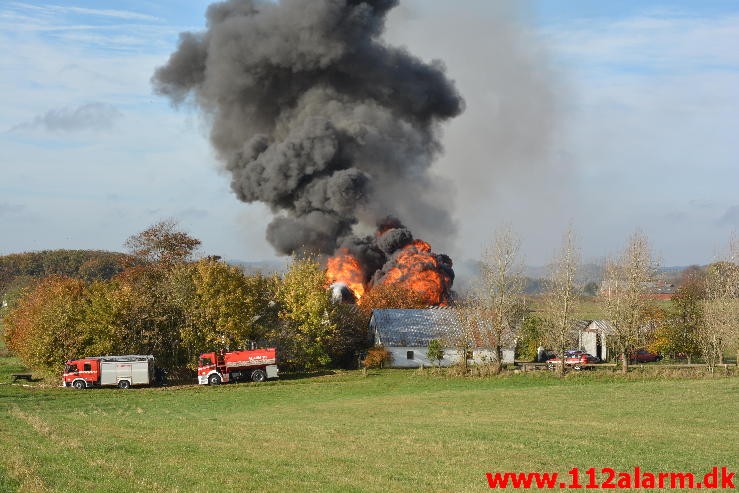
(256, 365)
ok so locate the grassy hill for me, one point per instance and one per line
(388, 431)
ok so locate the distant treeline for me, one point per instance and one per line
(21, 269)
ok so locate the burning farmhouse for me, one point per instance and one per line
(335, 130)
(397, 259)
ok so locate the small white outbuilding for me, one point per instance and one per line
(594, 338)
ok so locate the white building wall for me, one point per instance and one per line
(588, 342)
(482, 356)
(399, 357)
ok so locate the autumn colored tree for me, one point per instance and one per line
(305, 314)
(225, 309)
(391, 296)
(678, 335)
(163, 243)
(101, 325)
(376, 357)
(176, 309)
(22, 269)
(148, 319)
(42, 327)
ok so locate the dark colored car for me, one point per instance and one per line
(575, 359)
(644, 356)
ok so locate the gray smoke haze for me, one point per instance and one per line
(510, 156)
(316, 116)
(90, 116)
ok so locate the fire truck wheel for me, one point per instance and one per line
(78, 384)
(258, 376)
(214, 380)
(124, 384)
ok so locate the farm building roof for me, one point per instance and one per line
(413, 328)
(602, 326)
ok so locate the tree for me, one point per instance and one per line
(435, 351)
(150, 316)
(626, 283)
(20, 268)
(376, 357)
(590, 289)
(463, 337)
(720, 330)
(491, 314)
(163, 243)
(531, 335)
(305, 313)
(42, 326)
(679, 334)
(562, 298)
(224, 308)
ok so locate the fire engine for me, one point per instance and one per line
(256, 365)
(120, 371)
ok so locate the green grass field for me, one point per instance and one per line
(387, 431)
(588, 308)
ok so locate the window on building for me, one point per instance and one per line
(409, 354)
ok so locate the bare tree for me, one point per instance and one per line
(491, 315)
(720, 328)
(462, 336)
(562, 297)
(626, 283)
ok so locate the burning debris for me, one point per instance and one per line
(316, 116)
(344, 269)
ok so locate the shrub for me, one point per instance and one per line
(376, 357)
(435, 351)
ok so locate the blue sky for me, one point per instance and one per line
(611, 116)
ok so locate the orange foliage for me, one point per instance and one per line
(42, 326)
(391, 296)
(375, 358)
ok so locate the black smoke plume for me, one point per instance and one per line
(314, 115)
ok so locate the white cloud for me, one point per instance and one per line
(55, 10)
(667, 42)
(652, 122)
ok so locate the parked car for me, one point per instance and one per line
(577, 359)
(644, 356)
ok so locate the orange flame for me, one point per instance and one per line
(344, 267)
(417, 269)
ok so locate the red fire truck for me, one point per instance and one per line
(120, 371)
(256, 365)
